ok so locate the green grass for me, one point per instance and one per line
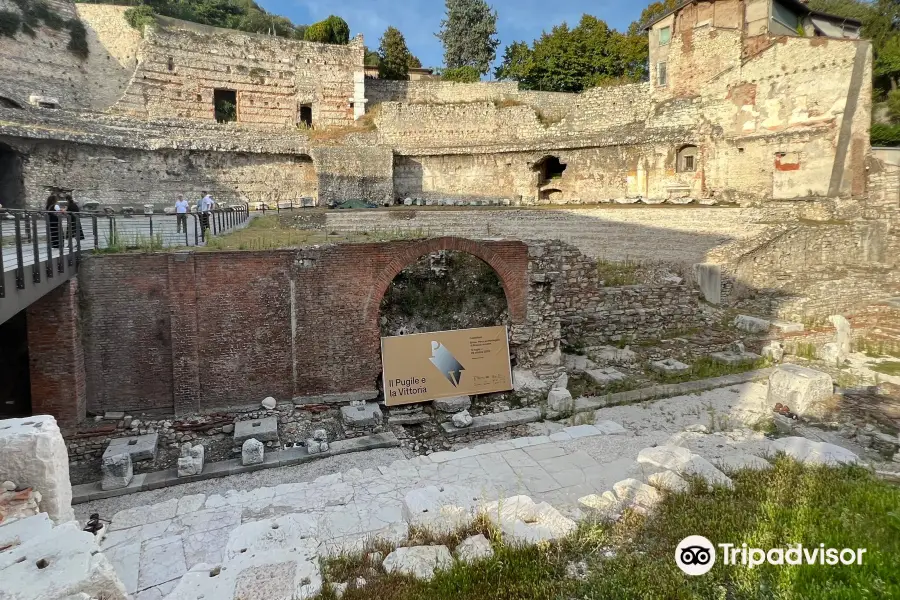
(877, 348)
(616, 274)
(134, 242)
(791, 504)
(807, 351)
(706, 368)
(891, 367)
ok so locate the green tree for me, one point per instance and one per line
(414, 63)
(469, 35)
(371, 58)
(570, 60)
(394, 55)
(515, 62)
(333, 30)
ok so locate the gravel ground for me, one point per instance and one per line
(246, 481)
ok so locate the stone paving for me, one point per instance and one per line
(153, 547)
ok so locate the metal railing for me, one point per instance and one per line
(39, 246)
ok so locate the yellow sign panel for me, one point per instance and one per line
(443, 364)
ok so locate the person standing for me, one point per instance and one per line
(53, 211)
(204, 208)
(181, 211)
(75, 217)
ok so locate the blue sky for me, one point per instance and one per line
(420, 19)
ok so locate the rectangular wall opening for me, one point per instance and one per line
(305, 116)
(225, 105)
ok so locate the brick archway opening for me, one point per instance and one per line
(513, 277)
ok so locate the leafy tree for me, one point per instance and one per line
(464, 74)
(371, 58)
(570, 60)
(414, 63)
(515, 62)
(333, 30)
(469, 35)
(394, 54)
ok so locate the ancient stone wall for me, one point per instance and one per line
(348, 172)
(41, 64)
(436, 91)
(589, 313)
(181, 65)
(121, 176)
(113, 57)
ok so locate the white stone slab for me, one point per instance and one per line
(33, 454)
(806, 392)
(419, 561)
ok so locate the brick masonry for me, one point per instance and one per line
(56, 356)
(193, 332)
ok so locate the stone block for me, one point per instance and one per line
(462, 419)
(730, 357)
(613, 355)
(252, 452)
(784, 424)
(366, 415)
(751, 324)
(605, 376)
(191, 461)
(524, 522)
(683, 462)
(774, 351)
(709, 280)
(474, 549)
(560, 400)
(453, 405)
(264, 430)
(320, 435)
(440, 509)
(495, 421)
(787, 326)
(420, 562)
(813, 453)
(669, 366)
(141, 447)
(58, 563)
(606, 506)
(527, 382)
(668, 481)
(638, 496)
(806, 392)
(117, 472)
(33, 455)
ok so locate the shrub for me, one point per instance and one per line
(9, 23)
(464, 74)
(885, 135)
(78, 39)
(139, 17)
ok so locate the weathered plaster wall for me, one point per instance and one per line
(180, 64)
(113, 57)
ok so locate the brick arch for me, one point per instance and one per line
(512, 271)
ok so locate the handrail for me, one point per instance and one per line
(51, 243)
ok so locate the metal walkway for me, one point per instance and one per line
(38, 253)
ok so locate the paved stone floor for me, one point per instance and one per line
(153, 546)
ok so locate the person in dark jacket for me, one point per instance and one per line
(74, 218)
(53, 211)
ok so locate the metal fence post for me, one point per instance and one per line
(20, 263)
(36, 249)
(49, 246)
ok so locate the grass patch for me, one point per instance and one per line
(706, 368)
(877, 348)
(582, 386)
(634, 558)
(616, 274)
(891, 367)
(135, 242)
(806, 350)
(547, 120)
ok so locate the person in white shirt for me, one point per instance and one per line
(181, 210)
(204, 207)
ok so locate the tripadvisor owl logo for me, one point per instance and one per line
(695, 555)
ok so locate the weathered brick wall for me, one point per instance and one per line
(56, 357)
(436, 91)
(192, 332)
(181, 64)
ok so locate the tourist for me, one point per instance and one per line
(204, 208)
(74, 218)
(53, 211)
(181, 210)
